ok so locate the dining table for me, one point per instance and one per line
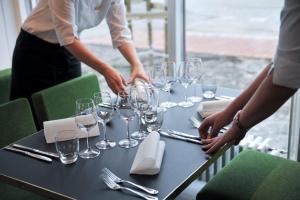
(183, 162)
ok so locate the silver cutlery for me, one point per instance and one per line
(170, 135)
(116, 179)
(224, 97)
(33, 155)
(184, 134)
(114, 186)
(50, 154)
(196, 123)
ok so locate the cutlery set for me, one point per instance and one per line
(32, 152)
(185, 136)
(114, 183)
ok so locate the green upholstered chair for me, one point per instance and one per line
(59, 101)
(256, 176)
(5, 81)
(16, 122)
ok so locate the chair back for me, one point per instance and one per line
(16, 121)
(5, 81)
(59, 101)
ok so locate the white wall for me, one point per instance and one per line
(10, 23)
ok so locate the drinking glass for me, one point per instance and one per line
(209, 86)
(67, 146)
(105, 110)
(185, 78)
(86, 119)
(154, 118)
(196, 73)
(140, 102)
(158, 79)
(170, 72)
(126, 112)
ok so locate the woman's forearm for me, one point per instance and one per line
(129, 52)
(114, 80)
(86, 56)
(244, 97)
(265, 101)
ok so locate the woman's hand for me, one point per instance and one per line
(138, 72)
(114, 79)
(213, 144)
(211, 125)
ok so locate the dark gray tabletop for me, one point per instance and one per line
(181, 163)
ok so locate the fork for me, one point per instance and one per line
(116, 179)
(196, 123)
(114, 186)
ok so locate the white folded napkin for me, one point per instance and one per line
(52, 128)
(208, 108)
(149, 155)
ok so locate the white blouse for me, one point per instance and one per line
(61, 21)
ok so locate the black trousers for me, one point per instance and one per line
(38, 64)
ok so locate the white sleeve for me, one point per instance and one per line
(116, 20)
(63, 17)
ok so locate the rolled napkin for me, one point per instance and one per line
(149, 155)
(208, 108)
(53, 127)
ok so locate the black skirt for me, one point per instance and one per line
(38, 64)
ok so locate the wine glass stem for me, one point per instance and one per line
(87, 140)
(185, 97)
(127, 125)
(140, 121)
(104, 131)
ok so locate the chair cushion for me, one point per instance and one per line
(16, 121)
(59, 101)
(256, 176)
(5, 81)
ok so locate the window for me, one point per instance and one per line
(237, 39)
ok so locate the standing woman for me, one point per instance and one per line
(48, 50)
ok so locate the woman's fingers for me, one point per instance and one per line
(210, 144)
(203, 129)
(216, 145)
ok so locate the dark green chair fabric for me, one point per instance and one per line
(59, 101)
(256, 176)
(16, 122)
(5, 81)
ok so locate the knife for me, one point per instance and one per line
(179, 137)
(33, 155)
(184, 135)
(50, 154)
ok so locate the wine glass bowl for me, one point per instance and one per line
(126, 112)
(105, 110)
(86, 120)
(170, 74)
(185, 79)
(140, 102)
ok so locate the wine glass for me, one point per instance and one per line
(158, 78)
(126, 112)
(140, 102)
(170, 74)
(185, 78)
(105, 111)
(196, 74)
(86, 119)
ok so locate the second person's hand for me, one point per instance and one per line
(211, 125)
